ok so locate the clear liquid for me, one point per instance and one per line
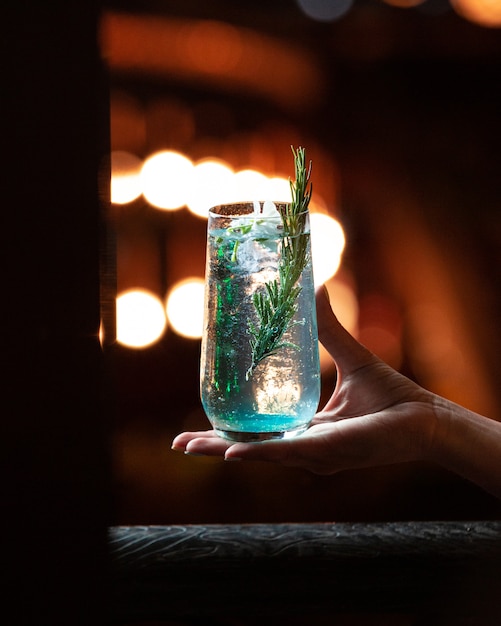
(281, 395)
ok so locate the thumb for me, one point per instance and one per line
(346, 351)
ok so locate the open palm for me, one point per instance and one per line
(375, 415)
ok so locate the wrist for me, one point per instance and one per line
(467, 443)
(441, 430)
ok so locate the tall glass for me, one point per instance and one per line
(260, 373)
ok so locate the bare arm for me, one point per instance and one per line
(470, 445)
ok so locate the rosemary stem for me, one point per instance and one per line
(276, 306)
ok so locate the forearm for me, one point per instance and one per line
(469, 444)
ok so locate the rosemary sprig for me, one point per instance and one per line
(276, 306)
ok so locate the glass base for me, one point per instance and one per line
(250, 437)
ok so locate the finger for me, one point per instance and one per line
(207, 446)
(346, 351)
(182, 440)
(272, 450)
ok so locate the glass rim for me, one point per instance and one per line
(246, 209)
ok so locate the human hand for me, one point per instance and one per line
(375, 415)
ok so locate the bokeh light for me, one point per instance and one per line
(165, 177)
(250, 185)
(140, 318)
(327, 245)
(278, 189)
(482, 12)
(185, 307)
(212, 183)
(170, 180)
(125, 177)
(213, 47)
(324, 10)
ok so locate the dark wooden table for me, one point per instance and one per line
(426, 572)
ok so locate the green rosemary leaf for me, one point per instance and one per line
(276, 306)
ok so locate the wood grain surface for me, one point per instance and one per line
(434, 571)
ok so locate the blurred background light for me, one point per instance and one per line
(140, 318)
(278, 189)
(185, 307)
(213, 46)
(327, 243)
(250, 185)
(324, 10)
(170, 180)
(165, 177)
(213, 53)
(482, 12)
(212, 183)
(125, 177)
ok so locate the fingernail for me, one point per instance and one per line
(188, 453)
(232, 458)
